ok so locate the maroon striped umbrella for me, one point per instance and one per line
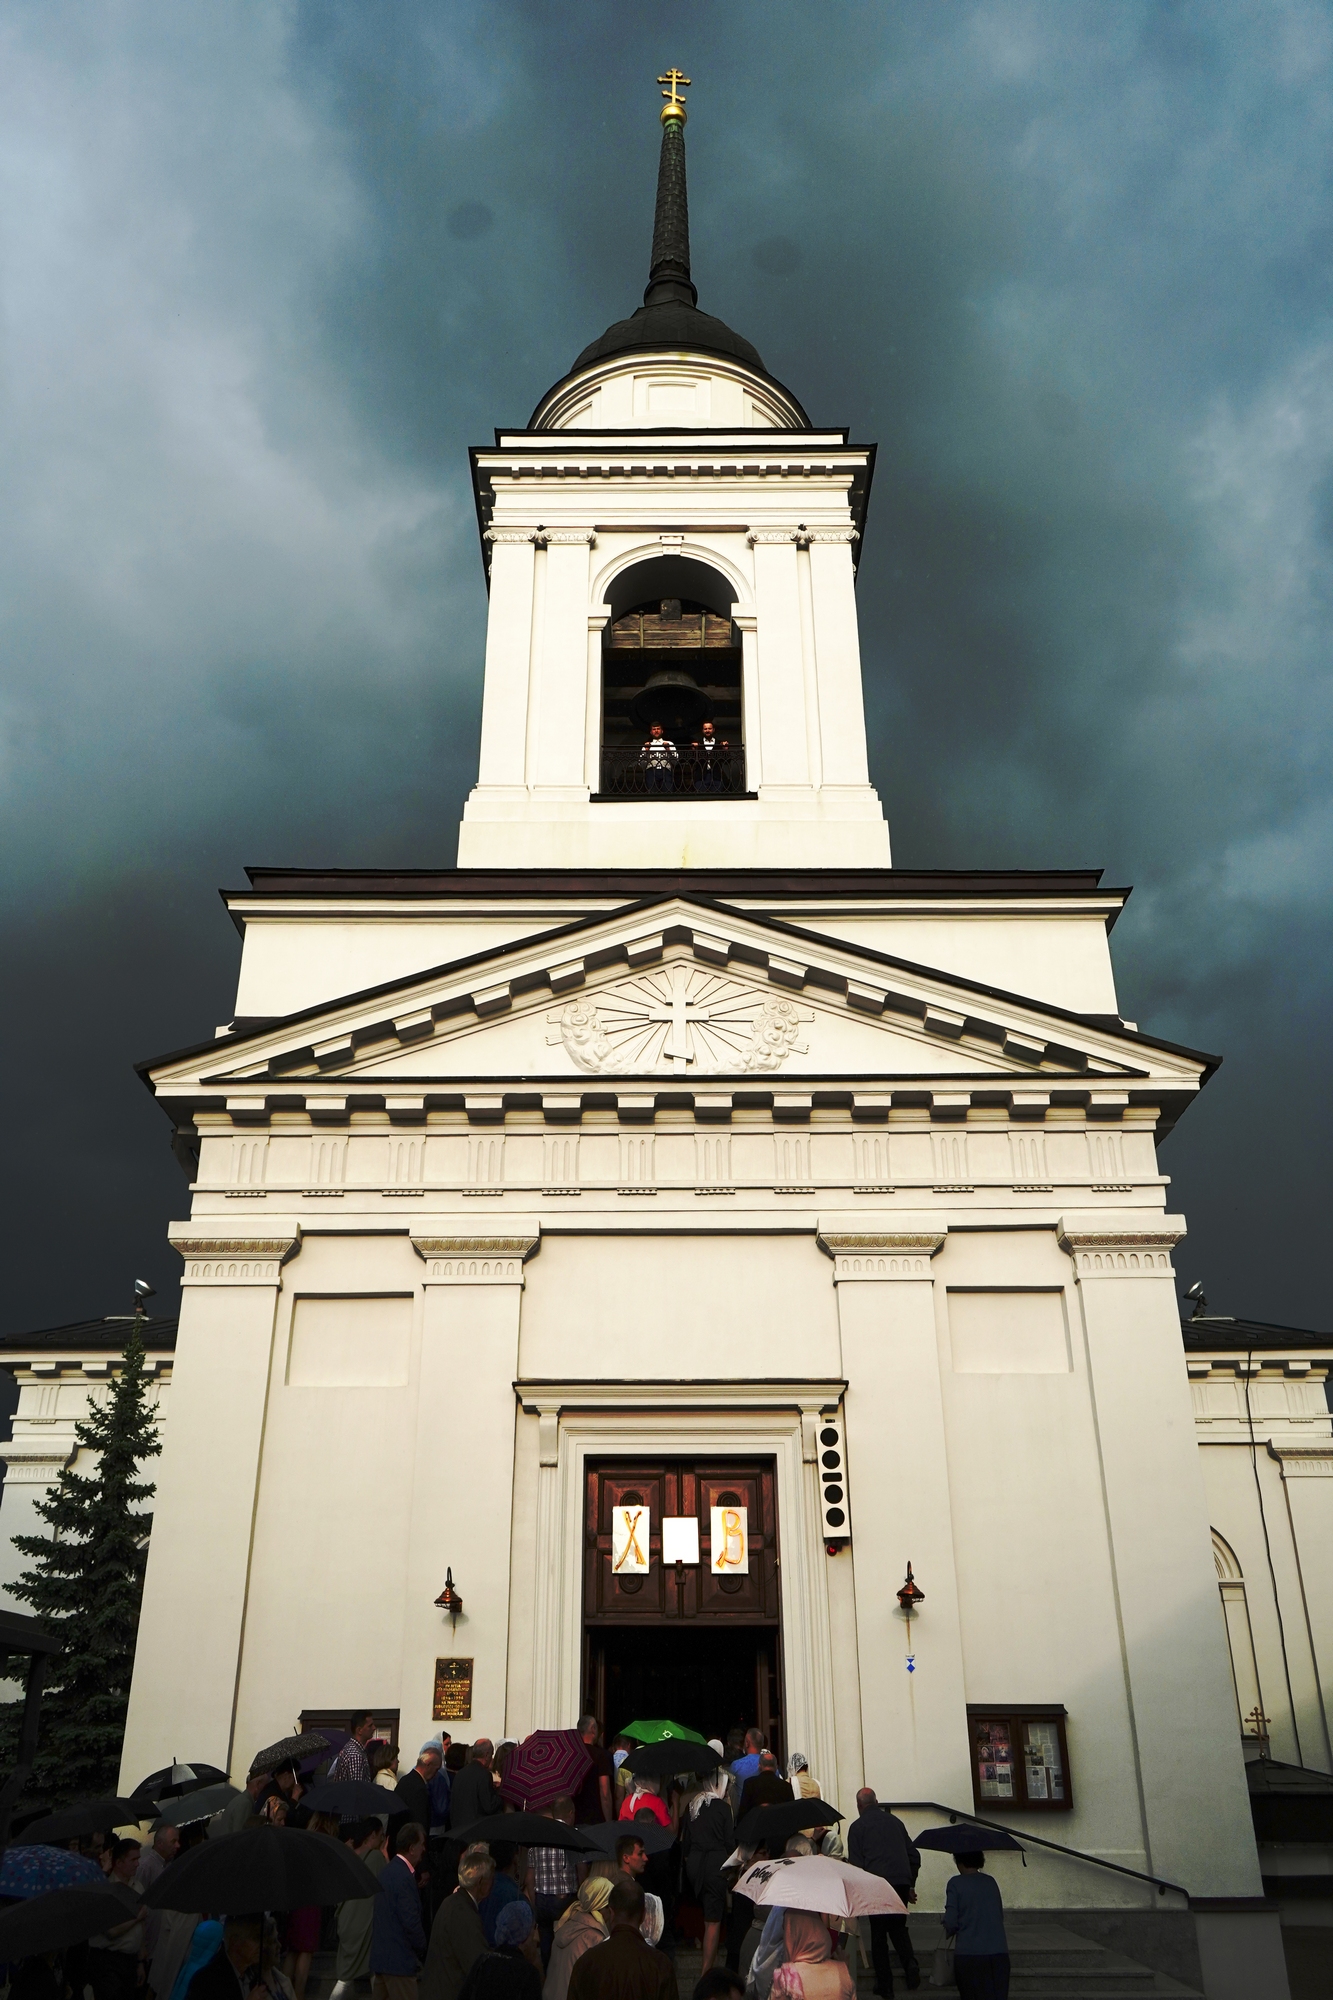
(548, 1765)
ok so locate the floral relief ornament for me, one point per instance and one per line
(683, 1017)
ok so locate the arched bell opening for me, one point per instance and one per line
(672, 724)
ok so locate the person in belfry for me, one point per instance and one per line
(659, 758)
(713, 751)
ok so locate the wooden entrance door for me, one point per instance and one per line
(686, 1591)
(703, 1648)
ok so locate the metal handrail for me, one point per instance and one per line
(956, 1813)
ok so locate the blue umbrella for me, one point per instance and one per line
(31, 1870)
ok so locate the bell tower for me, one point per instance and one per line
(673, 669)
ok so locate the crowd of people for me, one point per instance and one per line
(463, 1913)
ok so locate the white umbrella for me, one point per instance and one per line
(818, 1882)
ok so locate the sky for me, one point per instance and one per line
(267, 270)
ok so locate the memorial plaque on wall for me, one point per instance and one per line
(453, 1691)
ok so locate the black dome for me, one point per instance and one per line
(673, 324)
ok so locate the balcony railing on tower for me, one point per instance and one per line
(645, 773)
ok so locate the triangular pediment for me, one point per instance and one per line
(677, 989)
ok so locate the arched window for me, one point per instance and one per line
(672, 720)
(1240, 1639)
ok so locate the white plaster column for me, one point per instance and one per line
(913, 1725)
(1307, 1481)
(207, 1478)
(546, 1605)
(842, 725)
(781, 671)
(1196, 1816)
(592, 725)
(557, 744)
(504, 703)
(752, 721)
(463, 1471)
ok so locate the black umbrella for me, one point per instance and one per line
(75, 1822)
(672, 1758)
(605, 1833)
(196, 1805)
(264, 1868)
(965, 1839)
(177, 1779)
(527, 1830)
(291, 1750)
(350, 1798)
(62, 1917)
(775, 1825)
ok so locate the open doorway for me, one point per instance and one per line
(710, 1677)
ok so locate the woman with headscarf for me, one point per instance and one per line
(709, 1836)
(583, 1925)
(811, 1971)
(511, 1970)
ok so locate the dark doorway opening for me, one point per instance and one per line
(710, 1677)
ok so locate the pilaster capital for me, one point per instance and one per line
(757, 536)
(1120, 1253)
(39, 1463)
(880, 1257)
(1304, 1461)
(570, 537)
(234, 1260)
(534, 536)
(474, 1260)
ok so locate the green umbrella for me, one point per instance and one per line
(662, 1732)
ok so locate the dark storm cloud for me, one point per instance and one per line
(269, 270)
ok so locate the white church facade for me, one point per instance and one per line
(676, 1156)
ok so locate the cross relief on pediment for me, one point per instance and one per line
(684, 1018)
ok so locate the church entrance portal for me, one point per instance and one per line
(679, 1640)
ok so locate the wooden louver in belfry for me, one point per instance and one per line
(649, 628)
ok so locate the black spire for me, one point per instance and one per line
(669, 317)
(669, 277)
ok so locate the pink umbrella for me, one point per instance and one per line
(548, 1765)
(818, 1882)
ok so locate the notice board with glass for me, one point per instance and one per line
(1020, 1758)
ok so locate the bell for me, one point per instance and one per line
(673, 698)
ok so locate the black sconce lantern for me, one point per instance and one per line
(449, 1599)
(909, 1597)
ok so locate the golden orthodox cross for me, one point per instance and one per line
(673, 77)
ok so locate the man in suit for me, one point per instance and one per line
(767, 1788)
(220, 1979)
(626, 1967)
(474, 1793)
(412, 1792)
(397, 1938)
(456, 1937)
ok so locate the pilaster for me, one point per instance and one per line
(913, 1723)
(463, 1468)
(1307, 1482)
(1191, 1780)
(207, 1479)
(508, 648)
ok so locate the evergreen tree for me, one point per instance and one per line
(85, 1584)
